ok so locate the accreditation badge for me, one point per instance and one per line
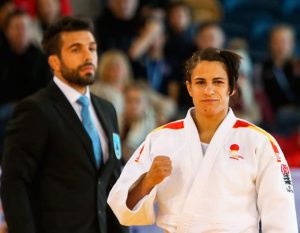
(117, 145)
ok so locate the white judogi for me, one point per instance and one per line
(242, 178)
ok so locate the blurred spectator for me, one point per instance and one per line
(114, 74)
(6, 7)
(209, 34)
(23, 67)
(149, 62)
(206, 10)
(118, 25)
(180, 34)
(137, 120)
(243, 102)
(87, 8)
(153, 8)
(279, 78)
(47, 12)
(240, 46)
(30, 6)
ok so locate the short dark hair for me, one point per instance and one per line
(230, 59)
(52, 38)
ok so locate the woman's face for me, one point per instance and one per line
(115, 72)
(209, 88)
(48, 10)
(179, 18)
(135, 104)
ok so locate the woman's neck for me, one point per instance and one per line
(207, 125)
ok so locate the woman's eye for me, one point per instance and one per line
(218, 82)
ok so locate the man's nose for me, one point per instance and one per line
(88, 55)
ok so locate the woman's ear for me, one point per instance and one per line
(234, 90)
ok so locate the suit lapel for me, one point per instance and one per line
(71, 119)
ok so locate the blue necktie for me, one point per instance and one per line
(90, 128)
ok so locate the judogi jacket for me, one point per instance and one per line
(241, 179)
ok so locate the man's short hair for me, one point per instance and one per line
(52, 38)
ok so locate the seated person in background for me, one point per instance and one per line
(118, 25)
(137, 119)
(206, 10)
(179, 45)
(47, 12)
(209, 34)
(23, 67)
(148, 58)
(114, 74)
(243, 102)
(278, 78)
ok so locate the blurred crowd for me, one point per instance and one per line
(142, 46)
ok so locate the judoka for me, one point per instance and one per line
(210, 172)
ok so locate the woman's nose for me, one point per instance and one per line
(208, 89)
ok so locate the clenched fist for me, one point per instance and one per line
(160, 169)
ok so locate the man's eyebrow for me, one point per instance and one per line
(74, 45)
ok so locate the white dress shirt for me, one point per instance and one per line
(72, 96)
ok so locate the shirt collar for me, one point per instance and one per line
(71, 94)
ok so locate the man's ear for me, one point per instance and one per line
(54, 62)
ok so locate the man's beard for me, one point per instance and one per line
(73, 75)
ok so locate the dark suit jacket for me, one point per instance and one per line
(277, 97)
(50, 183)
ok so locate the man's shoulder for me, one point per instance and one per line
(41, 95)
(41, 99)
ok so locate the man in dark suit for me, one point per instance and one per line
(56, 173)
